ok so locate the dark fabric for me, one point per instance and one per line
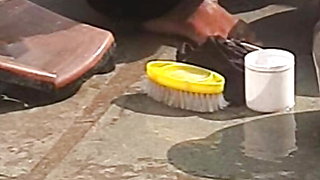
(134, 9)
(223, 56)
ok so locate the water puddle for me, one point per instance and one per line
(281, 148)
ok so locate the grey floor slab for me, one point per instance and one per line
(27, 136)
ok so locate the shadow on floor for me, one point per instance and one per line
(15, 98)
(282, 148)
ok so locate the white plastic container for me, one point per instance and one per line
(269, 80)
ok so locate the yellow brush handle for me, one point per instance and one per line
(185, 77)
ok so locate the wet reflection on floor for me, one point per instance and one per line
(281, 148)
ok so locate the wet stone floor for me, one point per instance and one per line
(109, 130)
(282, 147)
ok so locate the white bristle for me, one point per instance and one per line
(209, 104)
(185, 100)
(182, 100)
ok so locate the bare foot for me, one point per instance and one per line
(197, 20)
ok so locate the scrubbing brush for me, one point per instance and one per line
(185, 86)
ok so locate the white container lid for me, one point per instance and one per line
(269, 60)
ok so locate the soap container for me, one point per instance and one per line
(269, 80)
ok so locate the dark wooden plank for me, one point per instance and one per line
(39, 39)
